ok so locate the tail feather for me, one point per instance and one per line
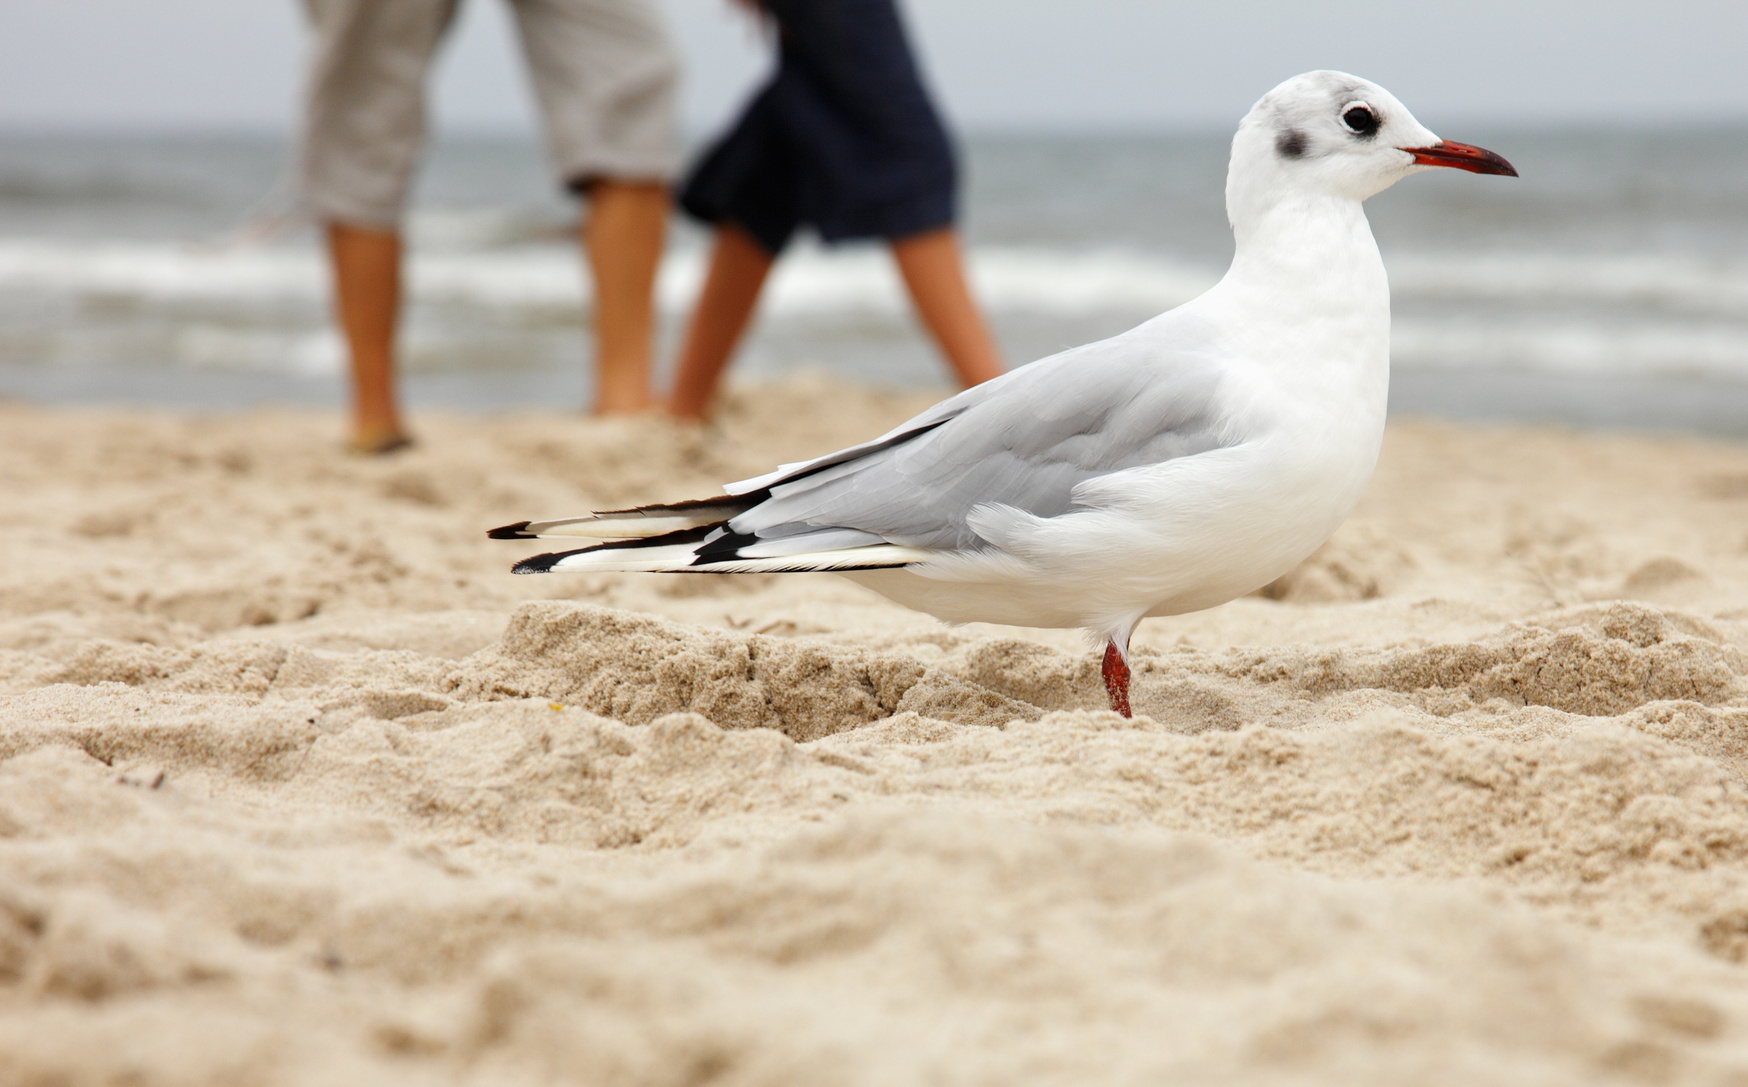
(692, 537)
(682, 558)
(642, 522)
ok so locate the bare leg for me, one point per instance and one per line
(1116, 672)
(935, 275)
(738, 267)
(367, 298)
(622, 240)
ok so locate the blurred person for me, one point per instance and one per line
(603, 73)
(843, 138)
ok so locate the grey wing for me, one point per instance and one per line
(1025, 440)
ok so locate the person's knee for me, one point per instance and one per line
(597, 187)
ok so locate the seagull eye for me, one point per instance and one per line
(1359, 118)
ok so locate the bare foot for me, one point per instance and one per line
(623, 405)
(687, 415)
(375, 443)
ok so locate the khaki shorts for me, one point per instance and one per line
(603, 72)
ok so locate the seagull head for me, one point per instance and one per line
(1334, 134)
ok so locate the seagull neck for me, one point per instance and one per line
(1314, 241)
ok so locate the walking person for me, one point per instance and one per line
(843, 138)
(603, 73)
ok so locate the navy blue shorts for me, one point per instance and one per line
(843, 138)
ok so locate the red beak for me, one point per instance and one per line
(1463, 156)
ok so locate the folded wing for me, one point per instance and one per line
(1025, 441)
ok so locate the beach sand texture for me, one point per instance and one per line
(300, 786)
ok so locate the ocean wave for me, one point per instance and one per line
(817, 281)
(1691, 285)
(1651, 314)
(1643, 348)
(809, 282)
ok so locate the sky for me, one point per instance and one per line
(996, 65)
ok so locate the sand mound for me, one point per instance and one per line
(297, 788)
(636, 669)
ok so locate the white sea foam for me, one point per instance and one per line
(1689, 285)
(1647, 314)
(1646, 348)
(809, 282)
(302, 354)
(814, 280)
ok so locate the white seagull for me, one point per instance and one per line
(1179, 465)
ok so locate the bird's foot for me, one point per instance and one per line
(1116, 673)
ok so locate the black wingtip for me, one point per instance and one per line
(539, 564)
(512, 532)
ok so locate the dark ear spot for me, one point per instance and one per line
(1290, 144)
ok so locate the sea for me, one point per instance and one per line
(1607, 287)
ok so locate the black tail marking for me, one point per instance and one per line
(725, 548)
(542, 564)
(744, 501)
(518, 531)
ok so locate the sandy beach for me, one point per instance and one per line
(301, 786)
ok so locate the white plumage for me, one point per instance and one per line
(1186, 462)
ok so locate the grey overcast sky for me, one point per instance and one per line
(996, 64)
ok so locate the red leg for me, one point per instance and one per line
(1116, 673)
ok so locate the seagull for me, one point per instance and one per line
(1184, 463)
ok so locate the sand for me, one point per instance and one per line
(300, 786)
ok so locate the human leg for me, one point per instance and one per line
(888, 171)
(604, 74)
(363, 125)
(367, 292)
(622, 241)
(738, 267)
(934, 273)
